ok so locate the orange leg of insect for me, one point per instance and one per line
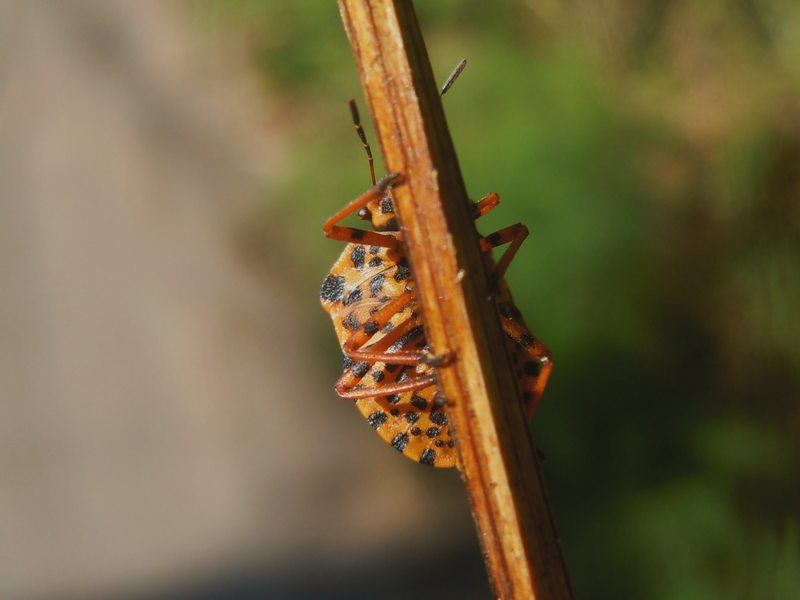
(345, 390)
(362, 236)
(515, 234)
(487, 203)
(539, 362)
(537, 365)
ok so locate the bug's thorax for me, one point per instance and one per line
(381, 214)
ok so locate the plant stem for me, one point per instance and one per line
(497, 458)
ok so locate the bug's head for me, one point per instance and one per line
(381, 213)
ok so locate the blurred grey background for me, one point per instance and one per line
(163, 429)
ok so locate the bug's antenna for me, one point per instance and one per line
(363, 137)
(453, 76)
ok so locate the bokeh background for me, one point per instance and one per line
(169, 428)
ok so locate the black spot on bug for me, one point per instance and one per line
(438, 443)
(432, 432)
(439, 418)
(394, 412)
(428, 457)
(419, 402)
(332, 288)
(347, 362)
(493, 238)
(400, 441)
(403, 377)
(403, 271)
(438, 401)
(450, 443)
(411, 417)
(376, 285)
(374, 249)
(353, 296)
(392, 368)
(377, 419)
(404, 339)
(531, 368)
(393, 398)
(392, 225)
(357, 234)
(386, 205)
(357, 256)
(370, 327)
(360, 369)
(387, 328)
(416, 431)
(350, 322)
(375, 261)
(526, 340)
(385, 298)
(378, 375)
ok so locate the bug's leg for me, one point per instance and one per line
(515, 234)
(484, 205)
(349, 390)
(362, 236)
(348, 384)
(536, 362)
(389, 348)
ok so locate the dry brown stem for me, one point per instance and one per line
(499, 465)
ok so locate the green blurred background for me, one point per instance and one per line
(653, 149)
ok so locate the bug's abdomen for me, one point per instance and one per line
(362, 281)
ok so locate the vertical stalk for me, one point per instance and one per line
(498, 462)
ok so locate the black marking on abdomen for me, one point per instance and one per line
(400, 441)
(360, 369)
(419, 402)
(439, 418)
(428, 457)
(353, 296)
(376, 285)
(357, 256)
(411, 417)
(332, 288)
(377, 419)
(350, 322)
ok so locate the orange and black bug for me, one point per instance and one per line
(389, 370)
